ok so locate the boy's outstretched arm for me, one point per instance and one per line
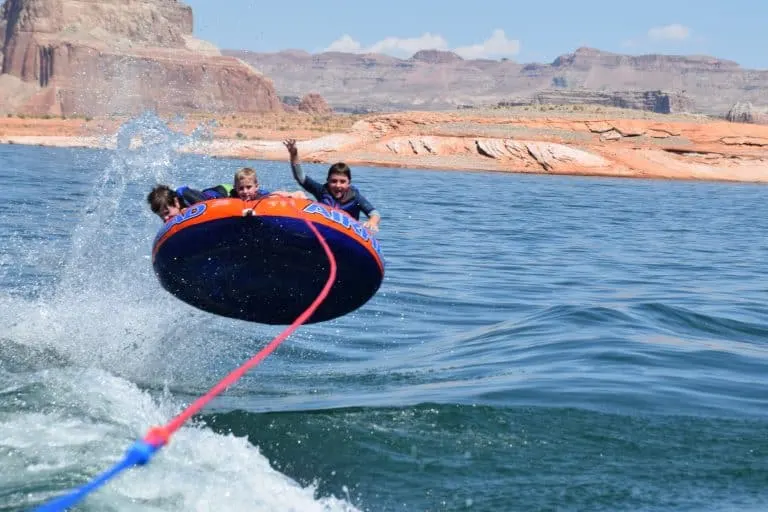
(307, 183)
(293, 152)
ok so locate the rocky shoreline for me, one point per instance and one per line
(577, 140)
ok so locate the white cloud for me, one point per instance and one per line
(673, 32)
(409, 45)
(344, 44)
(495, 46)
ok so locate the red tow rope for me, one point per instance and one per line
(175, 424)
(142, 451)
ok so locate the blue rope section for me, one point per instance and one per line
(137, 455)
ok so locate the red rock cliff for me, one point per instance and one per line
(96, 57)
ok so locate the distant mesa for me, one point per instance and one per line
(98, 57)
(586, 58)
(440, 80)
(436, 57)
(660, 102)
(295, 52)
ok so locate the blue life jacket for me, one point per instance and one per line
(348, 203)
(189, 196)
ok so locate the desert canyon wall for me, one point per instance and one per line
(98, 57)
(441, 80)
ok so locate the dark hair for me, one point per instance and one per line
(160, 197)
(340, 168)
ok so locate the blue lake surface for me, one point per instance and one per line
(539, 343)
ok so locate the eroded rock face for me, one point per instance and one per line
(586, 58)
(313, 103)
(745, 112)
(435, 80)
(660, 102)
(96, 57)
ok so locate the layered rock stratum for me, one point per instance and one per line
(745, 112)
(111, 59)
(439, 80)
(313, 103)
(595, 141)
(99, 57)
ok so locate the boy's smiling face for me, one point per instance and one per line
(338, 184)
(169, 211)
(247, 188)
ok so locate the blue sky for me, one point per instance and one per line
(533, 31)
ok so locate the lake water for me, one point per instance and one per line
(539, 343)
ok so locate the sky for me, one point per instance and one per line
(532, 31)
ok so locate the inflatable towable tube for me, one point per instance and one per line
(259, 261)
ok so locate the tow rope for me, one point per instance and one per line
(141, 452)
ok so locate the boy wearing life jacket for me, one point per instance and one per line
(166, 202)
(246, 187)
(337, 191)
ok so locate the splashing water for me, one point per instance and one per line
(106, 302)
(72, 352)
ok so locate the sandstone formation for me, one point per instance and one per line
(747, 113)
(600, 142)
(577, 144)
(582, 145)
(313, 103)
(435, 80)
(97, 57)
(653, 101)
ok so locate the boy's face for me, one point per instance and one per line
(169, 211)
(338, 184)
(247, 188)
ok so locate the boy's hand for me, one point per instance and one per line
(373, 227)
(290, 144)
